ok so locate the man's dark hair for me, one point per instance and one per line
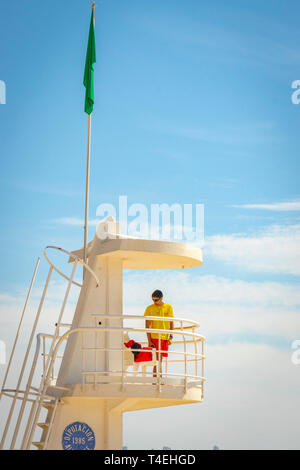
(157, 293)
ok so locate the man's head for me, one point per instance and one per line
(157, 297)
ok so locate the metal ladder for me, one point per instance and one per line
(47, 425)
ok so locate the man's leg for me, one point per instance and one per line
(159, 358)
(155, 371)
(155, 367)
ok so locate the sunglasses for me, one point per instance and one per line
(155, 300)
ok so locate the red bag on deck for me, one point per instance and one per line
(140, 354)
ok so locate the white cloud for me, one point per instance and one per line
(11, 308)
(273, 249)
(76, 221)
(227, 309)
(43, 188)
(275, 206)
(251, 402)
(224, 307)
(6, 298)
(229, 134)
(255, 45)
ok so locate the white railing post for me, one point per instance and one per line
(44, 356)
(166, 373)
(122, 386)
(82, 362)
(159, 363)
(202, 369)
(196, 357)
(185, 365)
(95, 358)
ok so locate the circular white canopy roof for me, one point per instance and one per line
(145, 254)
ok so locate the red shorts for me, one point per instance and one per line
(164, 345)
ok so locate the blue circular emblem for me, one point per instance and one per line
(78, 436)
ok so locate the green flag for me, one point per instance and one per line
(88, 79)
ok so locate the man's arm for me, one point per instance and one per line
(171, 327)
(148, 324)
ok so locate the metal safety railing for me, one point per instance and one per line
(185, 355)
(183, 368)
(187, 349)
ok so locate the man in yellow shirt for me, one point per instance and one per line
(163, 340)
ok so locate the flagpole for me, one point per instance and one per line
(87, 187)
(87, 177)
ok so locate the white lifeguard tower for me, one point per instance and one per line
(82, 407)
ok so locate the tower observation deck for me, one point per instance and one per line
(89, 377)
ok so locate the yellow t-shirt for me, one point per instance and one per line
(164, 310)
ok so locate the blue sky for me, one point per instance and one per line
(192, 105)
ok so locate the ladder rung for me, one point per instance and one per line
(43, 425)
(48, 405)
(40, 445)
(51, 405)
(60, 388)
(46, 355)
